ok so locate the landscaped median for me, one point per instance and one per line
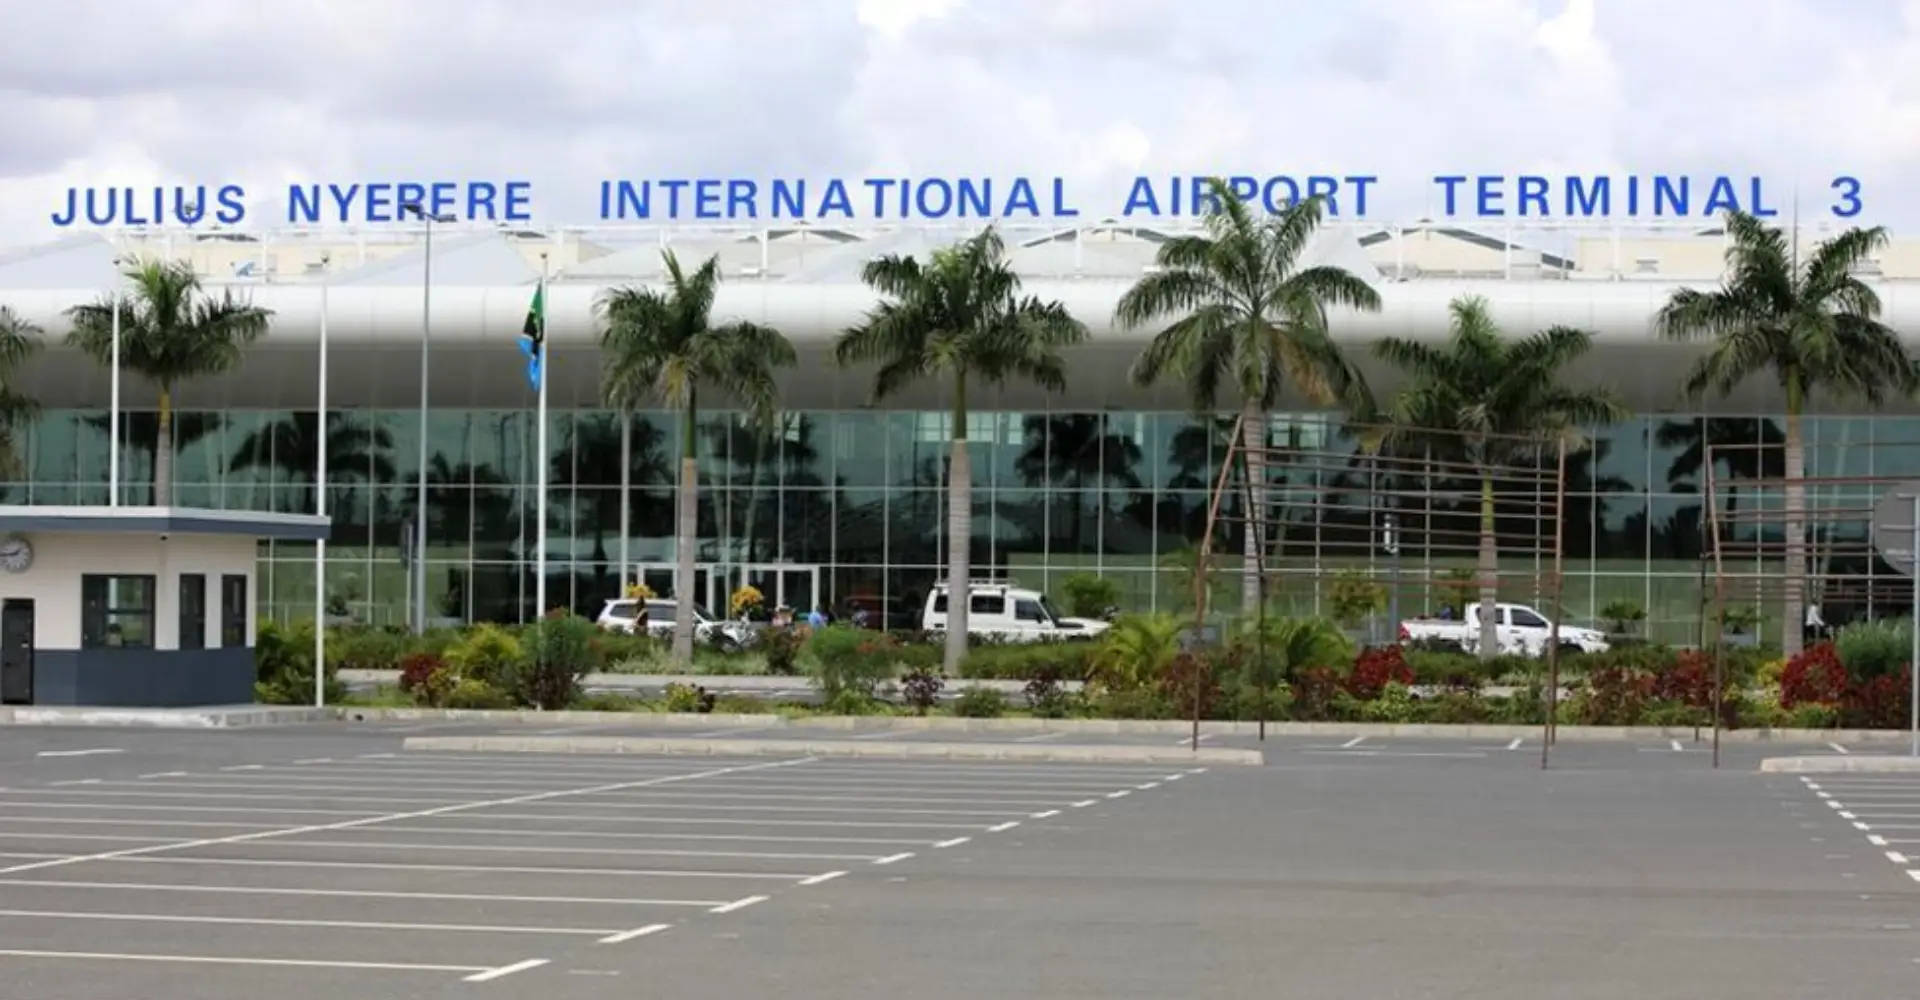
(1118, 753)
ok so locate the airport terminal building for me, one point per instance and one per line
(843, 500)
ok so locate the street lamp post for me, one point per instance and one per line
(427, 219)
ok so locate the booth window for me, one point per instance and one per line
(193, 611)
(116, 612)
(233, 610)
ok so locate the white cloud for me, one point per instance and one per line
(568, 93)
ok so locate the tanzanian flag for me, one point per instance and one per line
(533, 334)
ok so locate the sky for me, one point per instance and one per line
(565, 94)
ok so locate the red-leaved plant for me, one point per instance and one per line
(1375, 668)
(1814, 677)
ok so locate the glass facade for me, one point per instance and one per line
(843, 505)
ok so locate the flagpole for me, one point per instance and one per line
(540, 461)
(320, 508)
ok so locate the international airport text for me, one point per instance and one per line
(882, 199)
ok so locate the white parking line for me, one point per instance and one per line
(955, 842)
(1515, 745)
(824, 877)
(79, 753)
(245, 767)
(1837, 748)
(738, 904)
(1121, 794)
(1048, 814)
(1677, 748)
(637, 932)
(637, 796)
(1356, 741)
(885, 734)
(1084, 803)
(702, 837)
(251, 890)
(440, 847)
(369, 925)
(1037, 737)
(891, 858)
(390, 817)
(306, 963)
(63, 835)
(165, 774)
(1004, 827)
(149, 859)
(506, 970)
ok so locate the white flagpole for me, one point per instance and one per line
(540, 455)
(320, 507)
(113, 406)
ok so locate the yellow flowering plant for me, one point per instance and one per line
(746, 600)
(637, 591)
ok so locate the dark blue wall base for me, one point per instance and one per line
(143, 678)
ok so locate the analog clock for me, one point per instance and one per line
(16, 553)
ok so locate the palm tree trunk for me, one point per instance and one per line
(686, 527)
(1489, 574)
(1253, 437)
(163, 452)
(959, 530)
(1793, 607)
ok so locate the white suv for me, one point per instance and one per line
(1000, 609)
(622, 614)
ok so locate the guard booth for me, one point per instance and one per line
(132, 606)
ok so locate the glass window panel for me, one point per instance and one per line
(1020, 527)
(806, 525)
(1126, 518)
(1620, 534)
(1620, 457)
(116, 611)
(860, 527)
(857, 449)
(916, 527)
(917, 450)
(1677, 533)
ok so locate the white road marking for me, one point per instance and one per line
(739, 904)
(1037, 737)
(1004, 827)
(1385, 753)
(79, 753)
(1148, 786)
(251, 890)
(1084, 803)
(1356, 741)
(450, 831)
(1677, 748)
(1048, 814)
(1515, 745)
(1915, 875)
(370, 925)
(1121, 794)
(885, 734)
(245, 767)
(637, 932)
(390, 817)
(1896, 857)
(1187, 741)
(120, 837)
(1846, 815)
(440, 847)
(955, 842)
(165, 774)
(506, 970)
(822, 877)
(1861, 826)
(1877, 841)
(648, 796)
(76, 781)
(1823, 795)
(315, 760)
(123, 821)
(307, 963)
(1837, 748)
(400, 867)
(891, 858)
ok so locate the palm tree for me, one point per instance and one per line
(1247, 320)
(171, 330)
(1809, 325)
(19, 340)
(661, 343)
(1491, 402)
(958, 316)
(356, 450)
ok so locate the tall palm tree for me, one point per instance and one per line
(356, 449)
(1491, 402)
(1250, 321)
(1810, 325)
(171, 330)
(660, 343)
(958, 316)
(19, 339)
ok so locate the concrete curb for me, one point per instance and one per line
(1839, 764)
(240, 717)
(1112, 727)
(837, 748)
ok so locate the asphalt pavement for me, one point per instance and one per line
(321, 861)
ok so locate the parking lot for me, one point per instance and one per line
(380, 874)
(326, 861)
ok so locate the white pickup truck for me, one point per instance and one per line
(1520, 630)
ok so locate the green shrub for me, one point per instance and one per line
(472, 693)
(1813, 716)
(561, 648)
(980, 703)
(1142, 704)
(1066, 661)
(283, 666)
(1396, 705)
(1675, 715)
(1454, 708)
(846, 661)
(1874, 649)
(780, 647)
(487, 653)
(689, 699)
(1449, 671)
(742, 704)
(607, 701)
(1088, 596)
(364, 649)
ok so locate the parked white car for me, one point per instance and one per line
(623, 614)
(1519, 629)
(1003, 610)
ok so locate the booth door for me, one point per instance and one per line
(16, 651)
